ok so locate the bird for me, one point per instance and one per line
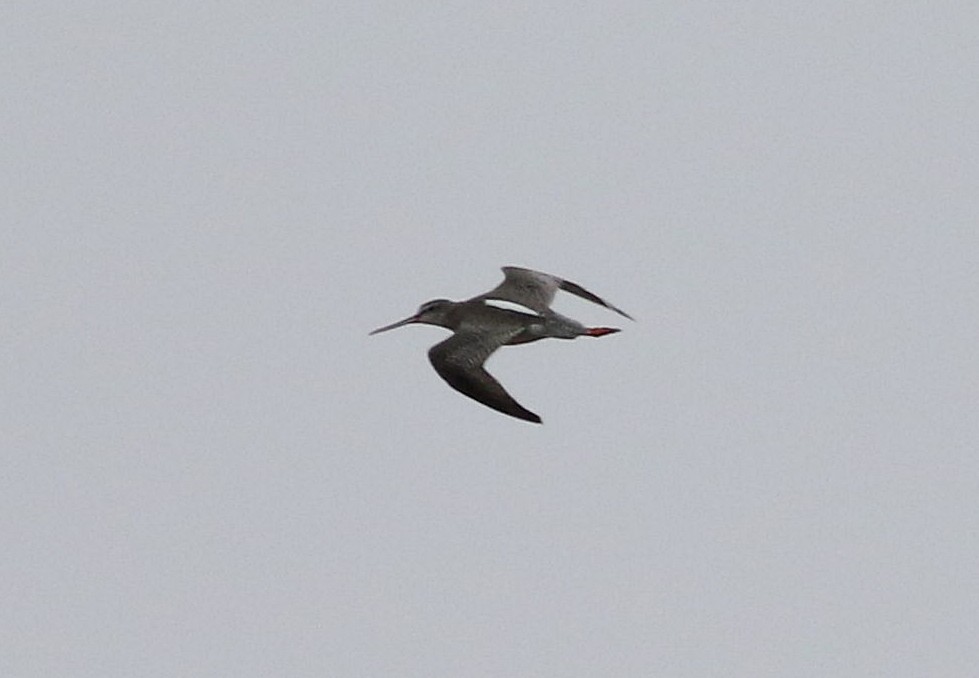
(488, 321)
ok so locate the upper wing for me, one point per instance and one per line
(536, 290)
(532, 289)
(459, 361)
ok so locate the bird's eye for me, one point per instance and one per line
(431, 305)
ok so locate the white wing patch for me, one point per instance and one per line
(510, 306)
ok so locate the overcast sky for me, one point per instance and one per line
(211, 470)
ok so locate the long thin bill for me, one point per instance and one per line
(400, 323)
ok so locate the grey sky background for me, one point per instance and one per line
(211, 470)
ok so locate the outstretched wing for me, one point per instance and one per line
(459, 361)
(536, 290)
(532, 289)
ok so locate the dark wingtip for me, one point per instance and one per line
(619, 311)
(526, 415)
(578, 290)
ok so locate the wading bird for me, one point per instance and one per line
(482, 324)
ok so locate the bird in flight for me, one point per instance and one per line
(483, 324)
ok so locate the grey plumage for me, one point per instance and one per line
(480, 328)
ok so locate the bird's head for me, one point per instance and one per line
(433, 312)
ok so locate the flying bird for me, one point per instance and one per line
(483, 324)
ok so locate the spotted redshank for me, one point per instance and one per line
(517, 311)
